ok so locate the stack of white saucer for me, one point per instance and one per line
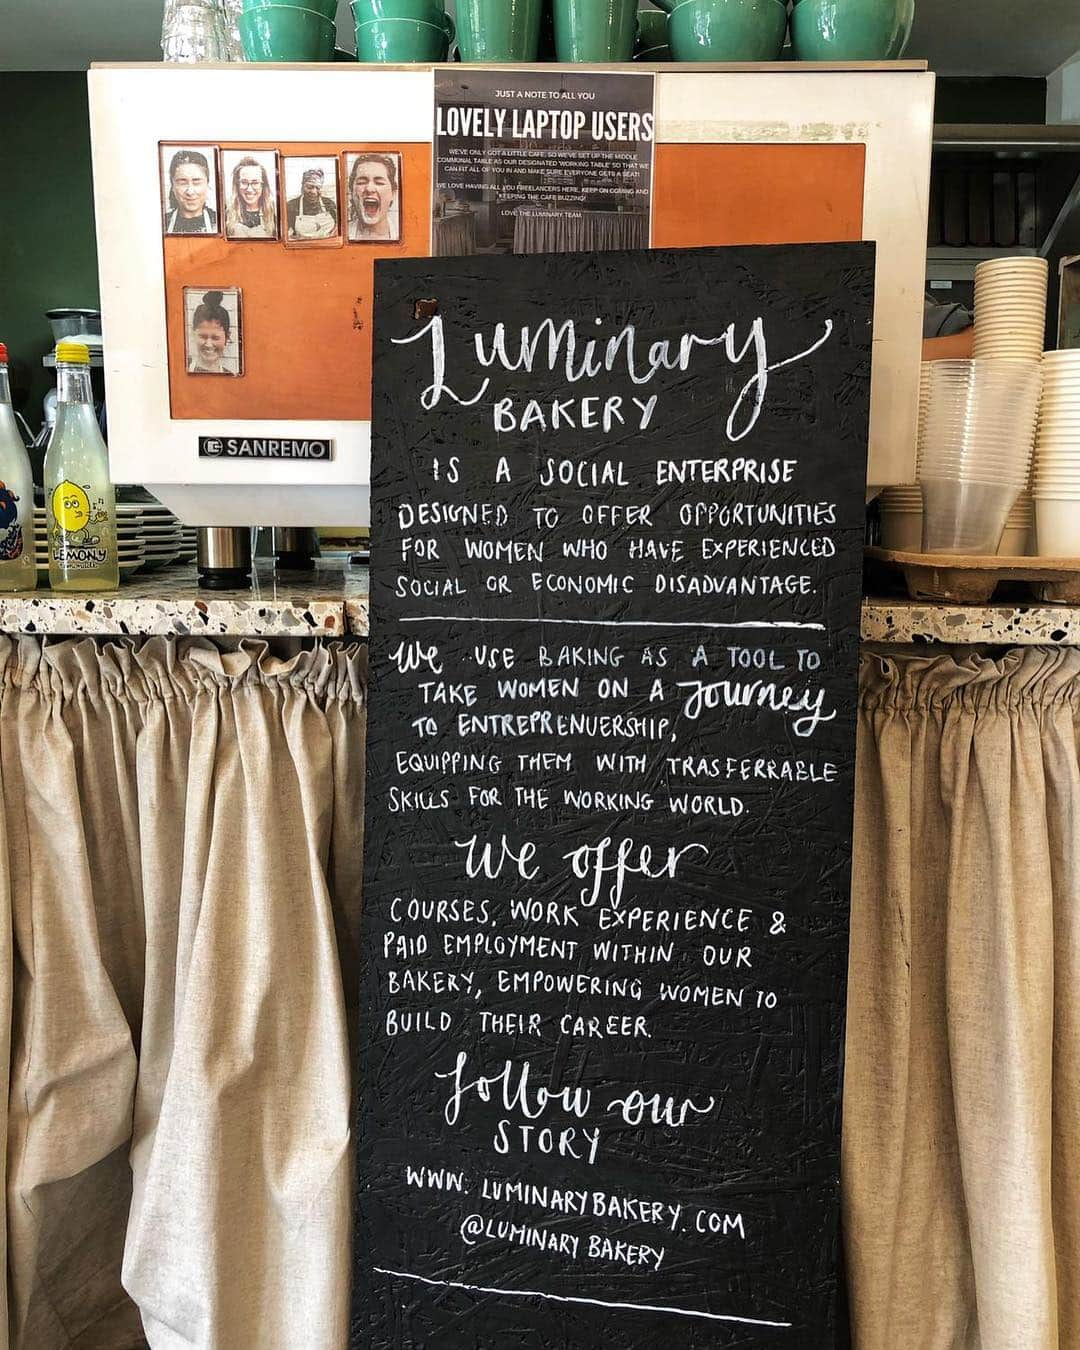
(1010, 308)
(901, 507)
(1057, 457)
(130, 552)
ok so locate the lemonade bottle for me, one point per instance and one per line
(18, 571)
(80, 504)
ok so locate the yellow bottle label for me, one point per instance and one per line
(75, 543)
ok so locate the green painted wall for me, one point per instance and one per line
(48, 254)
(991, 99)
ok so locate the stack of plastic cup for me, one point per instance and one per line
(1057, 458)
(901, 508)
(924, 408)
(902, 523)
(977, 448)
(1010, 309)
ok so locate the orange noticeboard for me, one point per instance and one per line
(306, 312)
(757, 194)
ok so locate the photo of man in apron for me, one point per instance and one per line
(190, 190)
(312, 215)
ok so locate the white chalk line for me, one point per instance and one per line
(609, 623)
(568, 1298)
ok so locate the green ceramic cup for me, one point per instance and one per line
(286, 33)
(403, 41)
(595, 30)
(851, 30)
(327, 8)
(499, 30)
(418, 11)
(652, 34)
(726, 30)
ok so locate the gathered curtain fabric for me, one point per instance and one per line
(180, 866)
(962, 1088)
(180, 844)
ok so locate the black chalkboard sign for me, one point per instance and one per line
(617, 509)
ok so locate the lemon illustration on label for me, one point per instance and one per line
(70, 507)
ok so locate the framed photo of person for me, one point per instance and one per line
(249, 180)
(189, 189)
(213, 330)
(312, 205)
(373, 196)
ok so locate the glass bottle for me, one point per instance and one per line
(80, 504)
(18, 570)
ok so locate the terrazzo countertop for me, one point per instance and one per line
(1016, 625)
(330, 601)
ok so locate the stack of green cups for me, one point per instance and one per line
(726, 30)
(652, 38)
(276, 30)
(595, 30)
(400, 32)
(499, 30)
(851, 30)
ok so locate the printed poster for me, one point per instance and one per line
(538, 162)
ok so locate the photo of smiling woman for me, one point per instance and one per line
(189, 189)
(374, 197)
(214, 342)
(251, 179)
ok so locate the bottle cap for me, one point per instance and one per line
(3, 353)
(73, 353)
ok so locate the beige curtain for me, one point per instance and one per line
(179, 891)
(962, 1096)
(181, 839)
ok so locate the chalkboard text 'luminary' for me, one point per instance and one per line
(617, 520)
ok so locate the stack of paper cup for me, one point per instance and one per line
(977, 448)
(1018, 539)
(889, 493)
(901, 518)
(1057, 458)
(1010, 308)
